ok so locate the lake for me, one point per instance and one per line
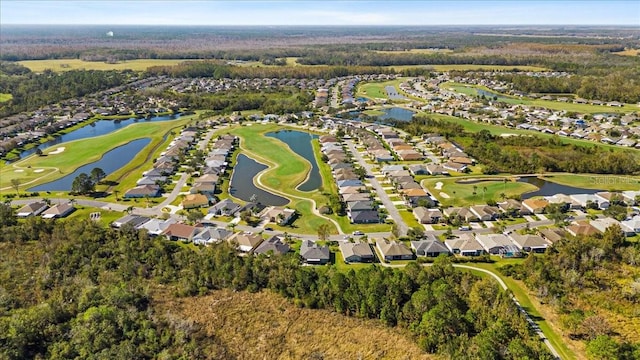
(110, 162)
(300, 143)
(393, 113)
(242, 186)
(98, 128)
(547, 188)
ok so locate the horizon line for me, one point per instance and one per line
(326, 25)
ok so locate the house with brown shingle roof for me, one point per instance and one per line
(182, 232)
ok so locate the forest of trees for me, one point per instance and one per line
(526, 154)
(75, 289)
(590, 281)
(31, 91)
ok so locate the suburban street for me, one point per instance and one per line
(384, 198)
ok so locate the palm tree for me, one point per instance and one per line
(503, 196)
(484, 191)
(116, 192)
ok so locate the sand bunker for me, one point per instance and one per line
(444, 195)
(57, 151)
(18, 170)
(438, 185)
(38, 170)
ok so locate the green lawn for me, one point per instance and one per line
(549, 104)
(76, 64)
(35, 170)
(409, 219)
(461, 194)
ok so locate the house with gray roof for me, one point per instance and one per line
(359, 251)
(393, 250)
(32, 209)
(313, 253)
(530, 243)
(273, 245)
(429, 248)
(211, 235)
(58, 211)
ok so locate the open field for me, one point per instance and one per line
(5, 97)
(549, 104)
(375, 90)
(628, 52)
(461, 194)
(41, 169)
(76, 64)
(276, 329)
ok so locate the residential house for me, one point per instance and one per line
(143, 191)
(134, 220)
(245, 241)
(278, 215)
(465, 245)
(359, 251)
(194, 201)
(429, 248)
(535, 205)
(155, 227)
(631, 226)
(463, 213)
(602, 224)
(32, 209)
(181, 232)
(417, 197)
(211, 235)
(515, 207)
(273, 245)
(427, 216)
(498, 244)
(225, 207)
(582, 228)
(530, 243)
(435, 169)
(418, 169)
(313, 253)
(393, 250)
(485, 212)
(59, 211)
(364, 216)
(553, 235)
(586, 199)
(457, 167)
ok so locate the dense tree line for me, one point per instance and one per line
(582, 278)
(529, 153)
(74, 289)
(31, 91)
(217, 70)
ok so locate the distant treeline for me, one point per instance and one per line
(74, 289)
(216, 70)
(31, 91)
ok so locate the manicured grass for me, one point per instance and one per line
(106, 216)
(76, 64)
(461, 194)
(348, 227)
(84, 151)
(375, 90)
(596, 181)
(409, 219)
(549, 104)
(5, 97)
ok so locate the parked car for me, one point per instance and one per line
(358, 233)
(464, 228)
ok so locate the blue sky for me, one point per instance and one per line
(308, 12)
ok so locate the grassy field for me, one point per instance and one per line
(80, 152)
(628, 52)
(596, 181)
(461, 194)
(76, 64)
(375, 90)
(264, 325)
(5, 97)
(549, 104)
